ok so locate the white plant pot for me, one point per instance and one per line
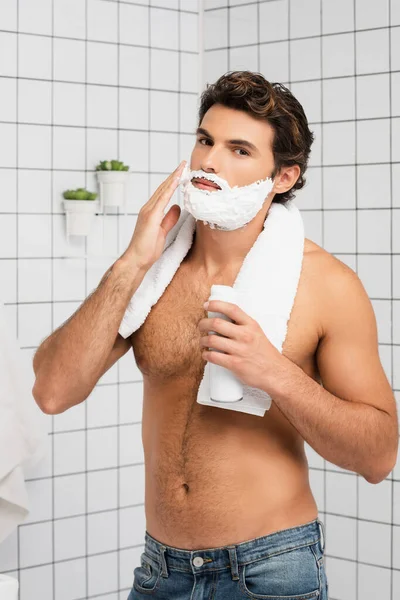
(8, 587)
(79, 215)
(113, 186)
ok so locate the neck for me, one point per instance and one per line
(213, 250)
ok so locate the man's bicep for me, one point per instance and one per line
(120, 347)
(348, 353)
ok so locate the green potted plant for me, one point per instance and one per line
(112, 176)
(80, 205)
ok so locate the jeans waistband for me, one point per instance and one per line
(234, 554)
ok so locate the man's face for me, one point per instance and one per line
(237, 163)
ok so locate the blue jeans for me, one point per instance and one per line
(285, 565)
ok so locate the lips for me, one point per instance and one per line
(205, 184)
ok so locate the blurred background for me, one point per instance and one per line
(87, 80)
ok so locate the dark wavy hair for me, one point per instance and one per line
(270, 102)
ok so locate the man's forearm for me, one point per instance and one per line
(352, 435)
(70, 361)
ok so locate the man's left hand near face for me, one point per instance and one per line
(248, 353)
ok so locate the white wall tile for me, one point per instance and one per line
(102, 573)
(243, 25)
(373, 96)
(31, 552)
(69, 104)
(34, 146)
(68, 279)
(338, 143)
(8, 54)
(395, 127)
(305, 59)
(215, 29)
(102, 106)
(35, 18)
(68, 148)
(339, 187)
(382, 309)
(309, 96)
(339, 230)
(40, 497)
(134, 109)
(189, 65)
(340, 536)
(133, 24)
(373, 231)
(305, 18)
(243, 58)
(102, 448)
(131, 485)
(378, 552)
(69, 495)
(274, 61)
(273, 21)
(69, 15)
(367, 59)
(310, 196)
(395, 49)
(341, 494)
(189, 38)
(102, 406)
(69, 538)
(69, 452)
(339, 99)
(8, 236)
(163, 28)
(102, 24)
(134, 66)
(342, 576)
(130, 444)
(370, 14)
(131, 526)
(37, 581)
(8, 99)
(164, 70)
(102, 532)
(379, 132)
(70, 579)
(338, 55)
(102, 489)
(34, 56)
(374, 271)
(337, 16)
(69, 60)
(34, 280)
(373, 582)
(34, 190)
(9, 178)
(34, 323)
(375, 501)
(102, 63)
(373, 186)
(8, 14)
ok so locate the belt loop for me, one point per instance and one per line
(233, 561)
(164, 570)
(321, 526)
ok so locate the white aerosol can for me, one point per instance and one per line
(224, 385)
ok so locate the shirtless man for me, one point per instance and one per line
(217, 479)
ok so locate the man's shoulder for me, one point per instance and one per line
(326, 266)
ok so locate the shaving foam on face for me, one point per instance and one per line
(228, 208)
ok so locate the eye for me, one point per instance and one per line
(207, 140)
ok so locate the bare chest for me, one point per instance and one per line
(167, 347)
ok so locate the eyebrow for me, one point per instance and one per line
(246, 143)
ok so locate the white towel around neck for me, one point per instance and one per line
(266, 284)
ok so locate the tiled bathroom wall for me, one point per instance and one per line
(70, 73)
(82, 81)
(341, 59)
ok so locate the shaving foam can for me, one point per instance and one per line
(224, 385)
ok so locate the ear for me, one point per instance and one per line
(286, 178)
